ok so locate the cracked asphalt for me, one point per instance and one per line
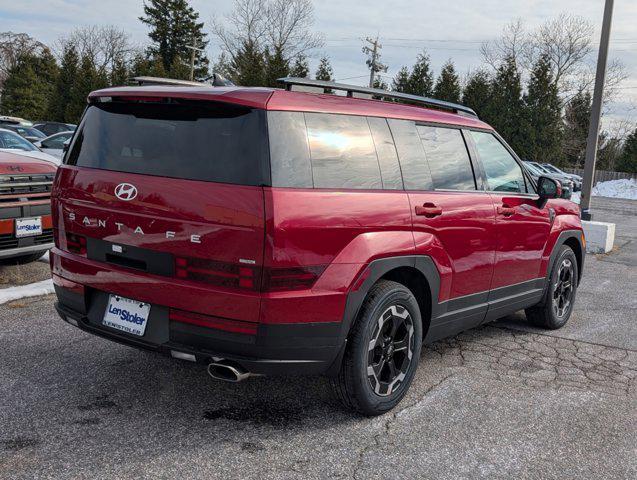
(501, 401)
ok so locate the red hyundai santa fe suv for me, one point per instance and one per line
(266, 231)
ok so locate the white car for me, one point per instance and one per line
(14, 143)
(54, 145)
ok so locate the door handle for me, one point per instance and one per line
(428, 210)
(505, 210)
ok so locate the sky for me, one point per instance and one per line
(451, 29)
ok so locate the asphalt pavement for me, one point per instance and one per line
(500, 401)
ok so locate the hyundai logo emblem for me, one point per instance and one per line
(126, 191)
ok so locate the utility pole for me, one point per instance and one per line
(373, 62)
(596, 111)
(194, 49)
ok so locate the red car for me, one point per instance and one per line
(265, 231)
(26, 228)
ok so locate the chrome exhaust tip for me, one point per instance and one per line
(221, 370)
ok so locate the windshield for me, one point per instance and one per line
(533, 169)
(206, 141)
(29, 132)
(13, 141)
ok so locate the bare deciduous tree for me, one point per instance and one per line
(566, 40)
(104, 45)
(514, 42)
(12, 47)
(279, 25)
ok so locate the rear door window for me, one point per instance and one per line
(448, 158)
(503, 173)
(192, 140)
(413, 163)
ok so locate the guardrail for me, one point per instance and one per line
(602, 175)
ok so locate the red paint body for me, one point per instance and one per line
(473, 246)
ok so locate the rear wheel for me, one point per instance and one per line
(556, 307)
(383, 351)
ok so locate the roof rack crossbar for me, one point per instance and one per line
(289, 82)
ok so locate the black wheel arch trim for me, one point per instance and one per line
(561, 240)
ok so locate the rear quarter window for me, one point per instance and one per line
(192, 140)
(316, 150)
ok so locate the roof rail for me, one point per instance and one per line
(289, 82)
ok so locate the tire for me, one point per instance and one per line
(23, 259)
(393, 306)
(554, 310)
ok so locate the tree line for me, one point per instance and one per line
(534, 87)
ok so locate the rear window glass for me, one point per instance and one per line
(191, 140)
(342, 152)
(448, 158)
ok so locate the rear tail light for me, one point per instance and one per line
(246, 276)
(235, 326)
(76, 243)
(218, 273)
(292, 278)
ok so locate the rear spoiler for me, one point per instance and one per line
(215, 80)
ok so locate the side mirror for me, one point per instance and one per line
(65, 146)
(548, 188)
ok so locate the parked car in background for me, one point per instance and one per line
(14, 143)
(26, 229)
(7, 120)
(30, 133)
(265, 231)
(54, 145)
(577, 179)
(51, 128)
(537, 171)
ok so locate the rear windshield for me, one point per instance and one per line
(192, 140)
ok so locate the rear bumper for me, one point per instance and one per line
(305, 349)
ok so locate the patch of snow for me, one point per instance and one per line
(624, 188)
(44, 258)
(45, 287)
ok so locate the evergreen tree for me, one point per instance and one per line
(144, 66)
(119, 73)
(448, 84)
(505, 110)
(380, 83)
(577, 114)
(543, 115)
(62, 93)
(301, 67)
(400, 83)
(248, 65)
(276, 66)
(477, 92)
(421, 79)
(174, 26)
(89, 78)
(628, 160)
(324, 70)
(28, 88)
(223, 67)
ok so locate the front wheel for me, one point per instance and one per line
(556, 307)
(382, 352)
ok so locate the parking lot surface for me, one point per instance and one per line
(501, 401)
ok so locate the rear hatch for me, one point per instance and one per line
(165, 196)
